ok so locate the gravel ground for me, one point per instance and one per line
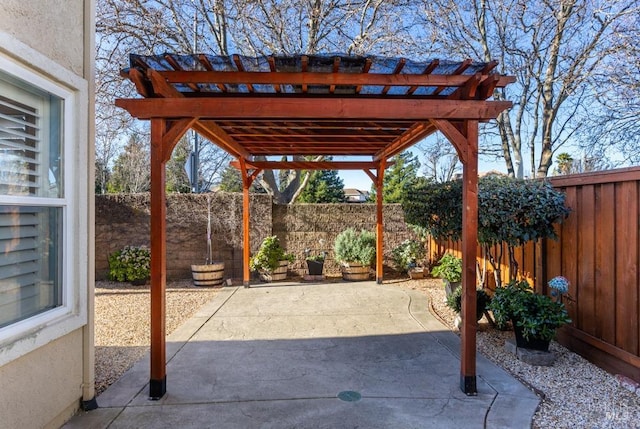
(575, 393)
(122, 323)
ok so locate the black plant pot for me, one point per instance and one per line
(315, 267)
(531, 343)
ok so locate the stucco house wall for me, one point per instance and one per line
(46, 372)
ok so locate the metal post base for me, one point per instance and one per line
(157, 388)
(468, 385)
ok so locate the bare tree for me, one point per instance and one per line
(616, 105)
(249, 27)
(441, 161)
(554, 48)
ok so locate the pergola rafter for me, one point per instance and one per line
(372, 108)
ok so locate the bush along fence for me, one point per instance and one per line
(597, 248)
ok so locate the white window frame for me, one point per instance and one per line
(29, 334)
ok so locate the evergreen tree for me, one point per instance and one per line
(399, 178)
(324, 186)
(230, 180)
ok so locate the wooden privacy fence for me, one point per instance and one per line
(598, 251)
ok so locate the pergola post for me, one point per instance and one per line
(158, 378)
(246, 241)
(379, 222)
(469, 252)
(163, 140)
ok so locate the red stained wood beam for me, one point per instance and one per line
(416, 133)
(382, 165)
(428, 70)
(395, 72)
(275, 108)
(211, 131)
(176, 65)
(246, 242)
(158, 374)
(365, 69)
(468, 90)
(143, 87)
(457, 72)
(318, 78)
(240, 66)
(453, 134)
(469, 252)
(207, 64)
(236, 133)
(309, 165)
(161, 87)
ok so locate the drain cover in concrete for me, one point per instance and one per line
(349, 396)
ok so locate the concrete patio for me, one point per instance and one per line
(332, 355)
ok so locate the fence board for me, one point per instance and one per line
(586, 258)
(627, 268)
(605, 263)
(569, 261)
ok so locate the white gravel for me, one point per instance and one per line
(122, 323)
(575, 393)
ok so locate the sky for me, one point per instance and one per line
(359, 180)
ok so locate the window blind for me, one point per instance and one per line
(20, 147)
(30, 232)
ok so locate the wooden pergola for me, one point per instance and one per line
(369, 108)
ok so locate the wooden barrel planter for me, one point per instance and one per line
(208, 275)
(278, 274)
(355, 272)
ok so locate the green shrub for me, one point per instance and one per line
(538, 315)
(449, 268)
(269, 255)
(408, 254)
(510, 211)
(352, 246)
(454, 301)
(131, 264)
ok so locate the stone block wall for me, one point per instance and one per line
(123, 220)
(315, 227)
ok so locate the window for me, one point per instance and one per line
(33, 206)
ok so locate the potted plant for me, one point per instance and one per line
(449, 269)
(315, 263)
(454, 301)
(356, 252)
(271, 261)
(534, 317)
(130, 264)
(408, 257)
(211, 273)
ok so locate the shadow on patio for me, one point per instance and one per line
(308, 356)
